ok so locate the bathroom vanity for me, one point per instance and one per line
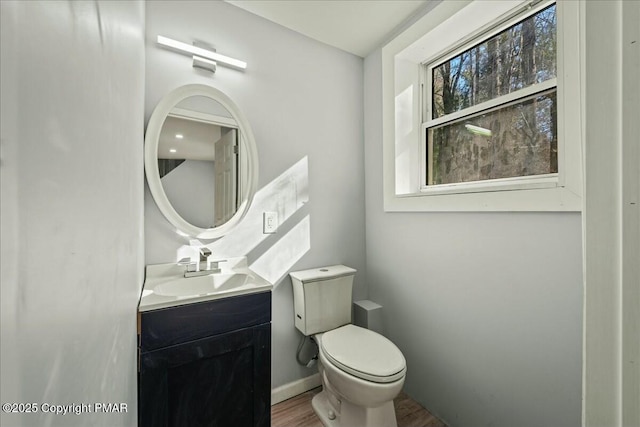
(204, 329)
(204, 359)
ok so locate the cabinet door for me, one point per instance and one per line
(219, 381)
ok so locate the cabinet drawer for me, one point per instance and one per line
(169, 326)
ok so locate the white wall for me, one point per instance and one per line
(611, 389)
(188, 178)
(72, 199)
(304, 102)
(486, 307)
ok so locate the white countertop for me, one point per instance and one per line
(165, 284)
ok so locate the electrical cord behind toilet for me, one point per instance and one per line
(313, 359)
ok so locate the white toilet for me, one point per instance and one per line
(361, 371)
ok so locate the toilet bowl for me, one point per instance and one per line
(361, 371)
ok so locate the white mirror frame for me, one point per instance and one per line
(249, 178)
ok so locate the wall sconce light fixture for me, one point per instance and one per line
(202, 58)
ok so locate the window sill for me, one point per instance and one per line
(550, 199)
(506, 184)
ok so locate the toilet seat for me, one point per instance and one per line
(364, 354)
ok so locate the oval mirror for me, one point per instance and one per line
(200, 161)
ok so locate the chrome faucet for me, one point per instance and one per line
(205, 253)
(203, 266)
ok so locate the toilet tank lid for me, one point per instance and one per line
(322, 273)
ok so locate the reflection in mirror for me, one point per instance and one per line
(198, 152)
(201, 161)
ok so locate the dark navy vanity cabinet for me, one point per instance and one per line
(206, 364)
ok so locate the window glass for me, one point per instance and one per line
(516, 140)
(520, 56)
(512, 130)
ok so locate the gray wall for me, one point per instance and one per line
(71, 211)
(486, 307)
(304, 102)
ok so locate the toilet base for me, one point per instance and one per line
(349, 415)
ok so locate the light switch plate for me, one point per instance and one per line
(269, 222)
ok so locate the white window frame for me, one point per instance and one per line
(438, 34)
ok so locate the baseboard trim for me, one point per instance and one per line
(287, 391)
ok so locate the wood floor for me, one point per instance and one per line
(297, 412)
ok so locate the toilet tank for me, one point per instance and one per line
(322, 298)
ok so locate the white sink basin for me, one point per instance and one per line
(202, 285)
(165, 284)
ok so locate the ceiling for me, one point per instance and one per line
(356, 26)
(189, 139)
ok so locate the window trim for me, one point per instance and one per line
(554, 192)
(500, 101)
